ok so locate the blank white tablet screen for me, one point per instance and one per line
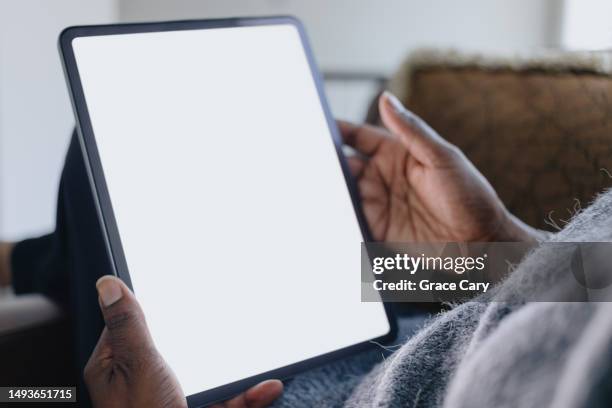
(236, 222)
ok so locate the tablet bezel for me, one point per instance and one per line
(102, 197)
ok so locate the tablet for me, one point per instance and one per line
(226, 202)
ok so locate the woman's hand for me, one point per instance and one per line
(417, 187)
(126, 370)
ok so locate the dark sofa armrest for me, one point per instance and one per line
(35, 343)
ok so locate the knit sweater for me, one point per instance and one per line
(500, 350)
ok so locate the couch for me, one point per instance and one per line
(538, 128)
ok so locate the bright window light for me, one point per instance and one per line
(587, 24)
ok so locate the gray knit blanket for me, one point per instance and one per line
(511, 353)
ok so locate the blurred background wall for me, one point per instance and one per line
(356, 42)
(35, 113)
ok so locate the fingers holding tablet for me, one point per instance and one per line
(365, 139)
(259, 396)
(125, 368)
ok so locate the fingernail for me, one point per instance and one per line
(109, 290)
(269, 383)
(395, 103)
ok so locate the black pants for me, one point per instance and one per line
(65, 265)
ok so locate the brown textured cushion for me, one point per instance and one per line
(541, 138)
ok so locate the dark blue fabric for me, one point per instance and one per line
(331, 385)
(66, 264)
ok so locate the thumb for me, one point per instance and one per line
(423, 143)
(126, 329)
